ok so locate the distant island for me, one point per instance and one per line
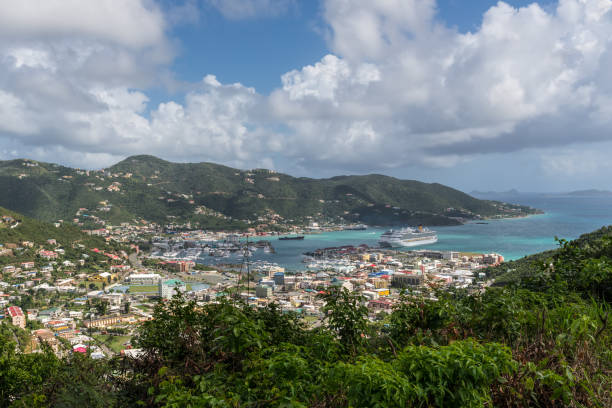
(590, 192)
(212, 196)
(586, 192)
(489, 193)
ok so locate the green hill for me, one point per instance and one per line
(216, 196)
(16, 228)
(593, 245)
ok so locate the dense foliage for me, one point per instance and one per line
(581, 263)
(216, 196)
(543, 342)
(73, 242)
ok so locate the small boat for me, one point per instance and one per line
(358, 227)
(299, 237)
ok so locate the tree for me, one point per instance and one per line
(102, 307)
(346, 316)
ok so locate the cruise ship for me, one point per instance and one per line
(408, 237)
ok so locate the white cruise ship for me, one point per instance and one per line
(408, 237)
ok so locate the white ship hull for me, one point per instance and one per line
(409, 243)
(408, 237)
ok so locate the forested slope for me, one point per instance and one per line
(211, 195)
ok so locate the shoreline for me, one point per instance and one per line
(517, 217)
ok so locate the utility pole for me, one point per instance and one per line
(248, 269)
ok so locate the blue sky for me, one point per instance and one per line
(474, 94)
(257, 51)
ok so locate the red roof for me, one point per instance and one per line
(381, 301)
(15, 311)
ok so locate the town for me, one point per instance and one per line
(80, 299)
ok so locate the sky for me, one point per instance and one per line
(478, 95)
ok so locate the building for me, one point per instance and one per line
(103, 321)
(16, 315)
(144, 279)
(104, 277)
(450, 255)
(8, 269)
(48, 254)
(44, 336)
(380, 283)
(279, 278)
(380, 304)
(406, 280)
(169, 288)
(382, 291)
(263, 291)
(180, 266)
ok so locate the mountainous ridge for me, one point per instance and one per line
(216, 196)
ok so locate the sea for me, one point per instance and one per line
(565, 216)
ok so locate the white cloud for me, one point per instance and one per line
(398, 90)
(373, 29)
(526, 78)
(320, 81)
(133, 23)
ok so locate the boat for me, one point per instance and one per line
(358, 227)
(299, 237)
(408, 237)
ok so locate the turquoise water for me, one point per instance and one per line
(566, 217)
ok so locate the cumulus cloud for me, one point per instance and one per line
(216, 122)
(526, 77)
(398, 89)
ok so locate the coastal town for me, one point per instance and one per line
(91, 300)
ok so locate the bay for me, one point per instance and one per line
(565, 216)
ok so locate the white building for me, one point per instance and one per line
(144, 279)
(169, 288)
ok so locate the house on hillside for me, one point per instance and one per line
(16, 315)
(48, 254)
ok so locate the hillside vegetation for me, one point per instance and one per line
(16, 228)
(545, 341)
(215, 196)
(593, 245)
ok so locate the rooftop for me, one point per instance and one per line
(174, 282)
(15, 311)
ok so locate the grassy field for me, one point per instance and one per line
(114, 343)
(309, 319)
(143, 288)
(148, 288)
